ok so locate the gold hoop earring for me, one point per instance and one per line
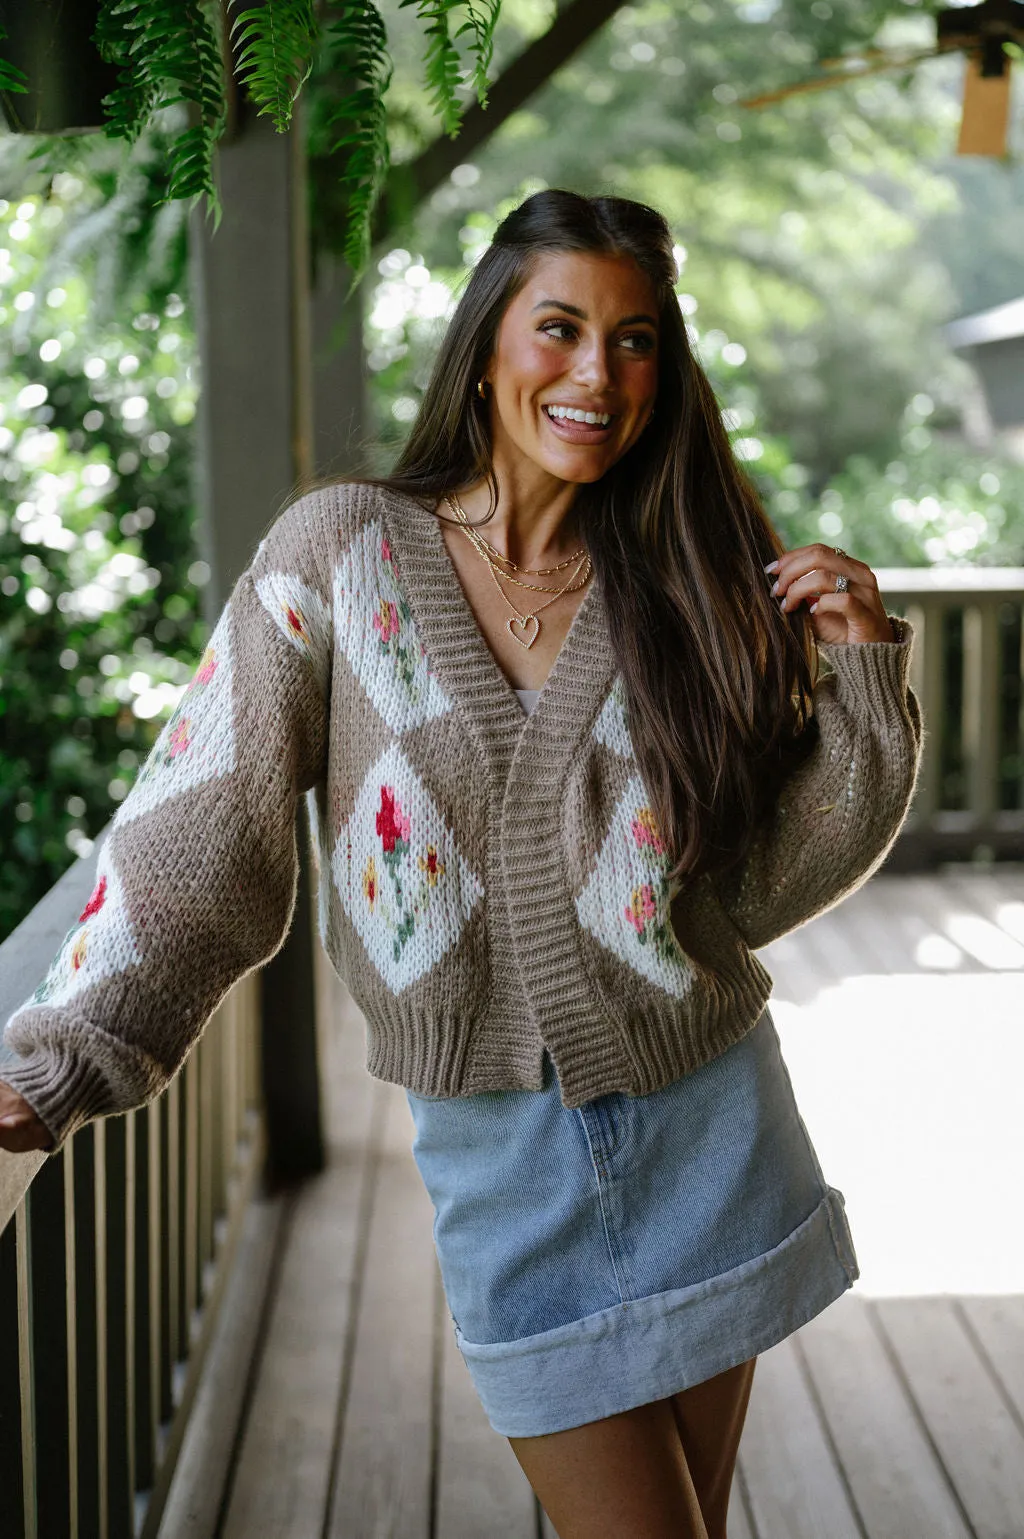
(481, 392)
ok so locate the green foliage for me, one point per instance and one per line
(356, 41)
(11, 78)
(481, 20)
(441, 60)
(167, 52)
(99, 581)
(278, 54)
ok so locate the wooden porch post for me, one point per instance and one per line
(255, 434)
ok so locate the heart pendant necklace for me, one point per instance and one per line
(519, 625)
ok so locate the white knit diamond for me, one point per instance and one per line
(302, 618)
(625, 902)
(99, 944)
(610, 727)
(198, 742)
(400, 875)
(376, 632)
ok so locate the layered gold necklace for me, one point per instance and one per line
(518, 624)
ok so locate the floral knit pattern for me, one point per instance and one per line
(626, 901)
(400, 875)
(302, 618)
(377, 633)
(99, 943)
(198, 741)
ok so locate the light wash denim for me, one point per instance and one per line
(598, 1258)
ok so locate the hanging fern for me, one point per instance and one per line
(11, 78)
(130, 103)
(441, 62)
(280, 41)
(167, 52)
(357, 46)
(480, 24)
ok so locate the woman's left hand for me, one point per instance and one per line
(808, 575)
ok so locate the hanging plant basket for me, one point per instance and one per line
(50, 42)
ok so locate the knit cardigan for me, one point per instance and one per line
(490, 884)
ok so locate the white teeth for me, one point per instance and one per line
(574, 414)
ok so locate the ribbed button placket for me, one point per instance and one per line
(528, 759)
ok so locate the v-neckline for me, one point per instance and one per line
(467, 669)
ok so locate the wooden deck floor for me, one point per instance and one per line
(896, 1414)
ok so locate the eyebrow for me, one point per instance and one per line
(561, 304)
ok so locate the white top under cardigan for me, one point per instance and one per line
(527, 699)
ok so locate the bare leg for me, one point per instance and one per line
(710, 1418)
(623, 1477)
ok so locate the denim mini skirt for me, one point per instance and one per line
(598, 1258)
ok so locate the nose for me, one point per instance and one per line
(591, 365)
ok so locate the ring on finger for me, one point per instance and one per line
(842, 583)
(836, 551)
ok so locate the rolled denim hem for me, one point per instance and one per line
(646, 1349)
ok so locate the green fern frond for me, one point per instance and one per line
(480, 23)
(441, 62)
(357, 49)
(130, 103)
(168, 52)
(280, 40)
(11, 77)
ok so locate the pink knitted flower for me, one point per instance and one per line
(207, 667)
(386, 620)
(180, 739)
(642, 907)
(645, 831)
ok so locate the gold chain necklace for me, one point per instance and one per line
(482, 549)
(516, 619)
(533, 571)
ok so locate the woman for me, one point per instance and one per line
(546, 909)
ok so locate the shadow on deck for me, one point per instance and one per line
(340, 1406)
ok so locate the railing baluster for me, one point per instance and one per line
(85, 1310)
(115, 1238)
(981, 708)
(206, 1138)
(146, 1292)
(926, 616)
(229, 1085)
(26, 1370)
(12, 1401)
(172, 1222)
(159, 1224)
(215, 1032)
(55, 1439)
(191, 1180)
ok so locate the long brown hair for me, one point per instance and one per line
(717, 681)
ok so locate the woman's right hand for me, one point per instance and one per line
(20, 1128)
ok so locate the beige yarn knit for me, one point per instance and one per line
(490, 883)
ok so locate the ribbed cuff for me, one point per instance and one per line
(62, 1090)
(877, 672)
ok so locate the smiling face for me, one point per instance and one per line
(580, 337)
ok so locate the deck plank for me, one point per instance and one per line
(284, 1466)
(898, 1484)
(997, 1323)
(794, 1485)
(977, 1438)
(481, 1489)
(383, 1485)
